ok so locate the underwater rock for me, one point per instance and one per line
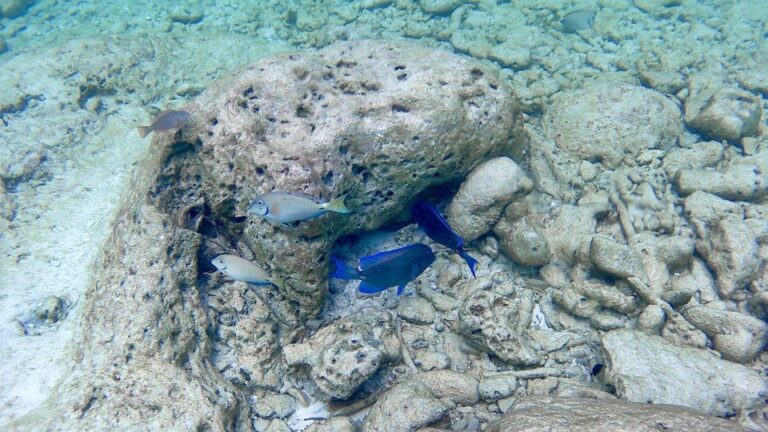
(741, 180)
(333, 424)
(416, 310)
(511, 55)
(736, 336)
(731, 251)
(703, 154)
(573, 228)
(708, 208)
(405, 407)
(615, 258)
(457, 387)
(478, 204)
(439, 7)
(721, 112)
(246, 345)
(659, 78)
(611, 123)
(649, 369)
(378, 122)
(14, 8)
(495, 322)
(275, 406)
(186, 15)
(493, 388)
(577, 414)
(145, 339)
(431, 360)
(3, 45)
(523, 242)
(603, 305)
(343, 355)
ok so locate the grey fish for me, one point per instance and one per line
(240, 269)
(578, 20)
(287, 207)
(165, 120)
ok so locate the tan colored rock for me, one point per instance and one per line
(614, 258)
(738, 337)
(720, 111)
(495, 323)
(611, 122)
(343, 355)
(648, 369)
(730, 249)
(740, 181)
(405, 407)
(459, 388)
(523, 242)
(554, 414)
(372, 127)
(478, 204)
(333, 424)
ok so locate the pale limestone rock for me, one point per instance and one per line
(738, 337)
(406, 407)
(730, 249)
(611, 122)
(554, 414)
(646, 369)
(478, 204)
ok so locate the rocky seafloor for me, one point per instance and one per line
(610, 182)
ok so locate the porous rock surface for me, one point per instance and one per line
(647, 368)
(494, 317)
(345, 354)
(377, 122)
(720, 111)
(610, 122)
(576, 414)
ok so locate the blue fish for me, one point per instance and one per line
(437, 228)
(378, 272)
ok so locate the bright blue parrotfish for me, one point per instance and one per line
(437, 228)
(386, 269)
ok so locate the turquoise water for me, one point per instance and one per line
(77, 77)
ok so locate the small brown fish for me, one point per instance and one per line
(166, 120)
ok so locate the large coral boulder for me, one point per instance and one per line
(612, 122)
(377, 122)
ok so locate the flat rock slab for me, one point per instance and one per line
(587, 415)
(649, 369)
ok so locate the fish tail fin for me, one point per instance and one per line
(336, 205)
(278, 282)
(144, 131)
(339, 270)
(471, 262)
(400, 289)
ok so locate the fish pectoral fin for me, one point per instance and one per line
(367, 288)
(400, 289)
